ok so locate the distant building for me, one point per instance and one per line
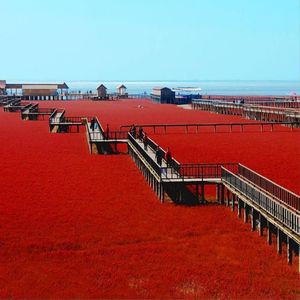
(37, 91)
(122, 91)
(163, 95)
(102, 92)
(2, 87)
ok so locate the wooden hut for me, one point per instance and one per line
(122, 91)
(102, 92)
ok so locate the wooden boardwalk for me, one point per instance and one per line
(268, 205)
(265, 211)
(36, 113)
(278, 114)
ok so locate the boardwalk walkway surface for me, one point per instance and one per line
(266, 203)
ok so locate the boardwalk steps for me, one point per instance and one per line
(272, 209)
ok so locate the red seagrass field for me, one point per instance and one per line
(75, 225)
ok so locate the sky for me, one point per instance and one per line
(150, 40)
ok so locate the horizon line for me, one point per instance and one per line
(148, 80)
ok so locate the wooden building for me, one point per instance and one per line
(122, 91)
(102, 92)
(163, 95)
(38, 91)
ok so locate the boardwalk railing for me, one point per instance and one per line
(33, 108)
(143, 153)
(188, 127)
(42, 110)
(174, 164)
(25, 107)
(280, 212)
(279, 114)
(198, 171)
(14, 105)
(75, 120)
(97, 134)
(181, 171)
(270, 187)
(205, 170)
(56, 116)
(34, 112)
(116, 135)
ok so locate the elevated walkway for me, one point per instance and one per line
(104, 142)
(266, 211)
(16, 105)
(59, 123)
(270, 206)
(35, 113)
(5, 100)
(176, 177)
(285, 113)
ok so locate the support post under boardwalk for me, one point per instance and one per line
(197, 192)
(218, 192)
(222, 194)
(233, 201)
(162, 192)
(289, 250)
(269, 235)
(261, 226)
(279, 245)
(228, 197)
(202, 192)
(239, 213)
(245, 213)
(252, 219)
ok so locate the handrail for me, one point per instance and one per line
(34, 108)
(199, 171)
(173, 164)
(116, 135)
(272, 188)
(56, 120)
(184, 171)
(279, 211)
(77, 119)
(214, 104)
(28, 106)
(206, 124)
(100, 126)
(205, 170)
(149, 160)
